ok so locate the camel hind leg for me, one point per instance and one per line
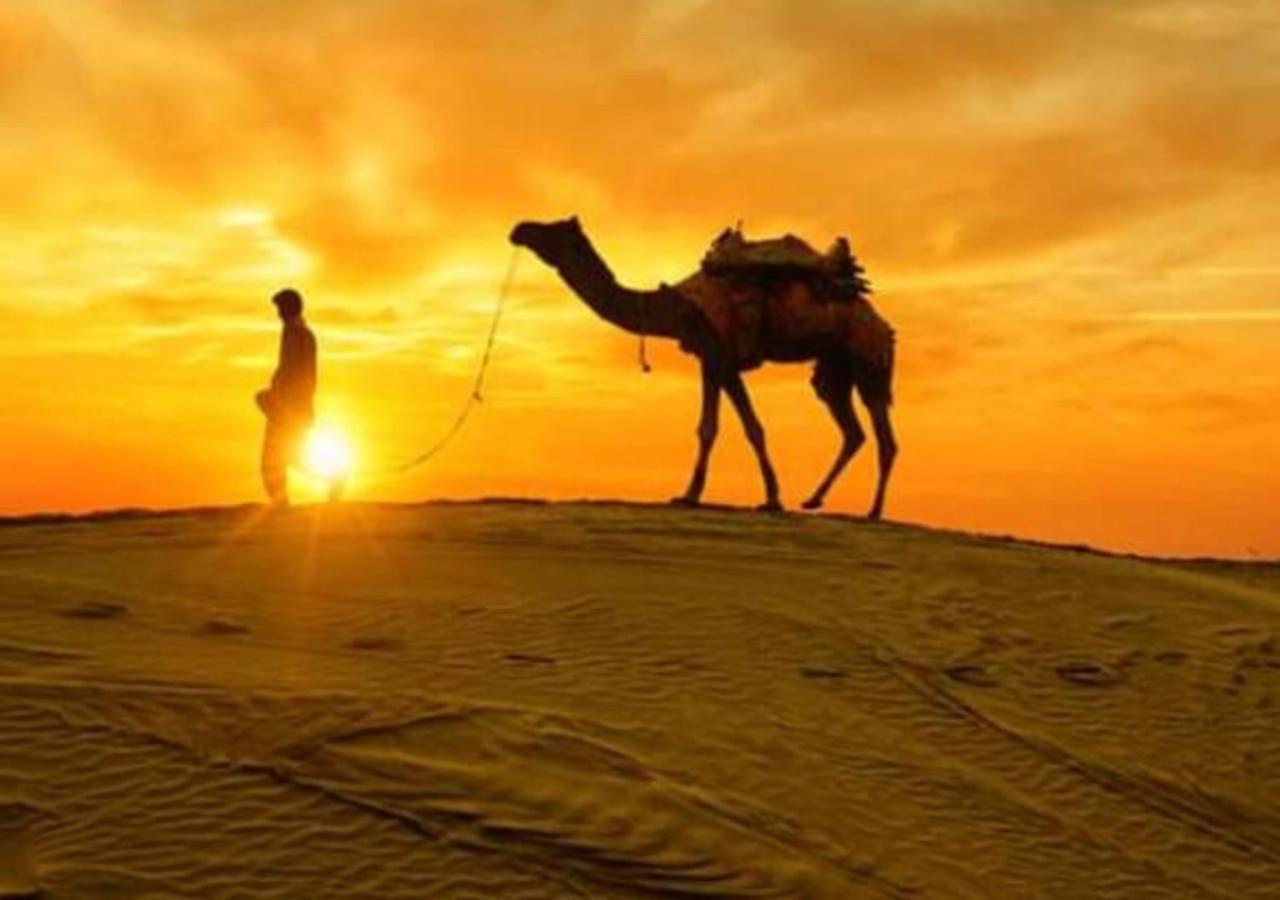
(875, 389)
(887, 446)
(833, 382)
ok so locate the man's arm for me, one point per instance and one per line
(282, 361)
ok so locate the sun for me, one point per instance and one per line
(328, 454)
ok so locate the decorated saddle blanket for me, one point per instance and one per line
(785, 319)
(780, 296)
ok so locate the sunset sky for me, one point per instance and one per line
(1070, 211)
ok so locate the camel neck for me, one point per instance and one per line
(650, 312)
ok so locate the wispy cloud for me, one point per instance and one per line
(1204, 316)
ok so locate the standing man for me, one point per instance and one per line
(288, 403)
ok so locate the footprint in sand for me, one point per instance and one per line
(1131, 659)
(1088, 674)
(822, 672)
(1240, 629)
(374, 643)
(1259, 658)
(35, 656)
(95, 610)
(223, 627)
(971, 674)
(530, 659)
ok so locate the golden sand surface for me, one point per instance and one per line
(529, 700)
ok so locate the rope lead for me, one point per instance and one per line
(644, 354)
(476, 396)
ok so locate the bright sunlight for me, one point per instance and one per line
(329, 455)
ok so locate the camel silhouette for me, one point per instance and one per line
(851, 346)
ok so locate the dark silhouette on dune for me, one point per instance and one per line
(289, 403)
(733, 319)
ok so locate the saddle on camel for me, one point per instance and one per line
(762, 296)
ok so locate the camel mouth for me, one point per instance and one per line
(521, 234)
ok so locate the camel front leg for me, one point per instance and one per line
(737, 391)
(838, 397)
(708, 426)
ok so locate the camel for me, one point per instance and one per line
(850, 345)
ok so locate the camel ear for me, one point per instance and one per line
(573, 220)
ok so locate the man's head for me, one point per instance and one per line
(288, 303)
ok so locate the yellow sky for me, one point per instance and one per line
(1070, 211)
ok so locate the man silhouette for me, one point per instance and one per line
(288, 403)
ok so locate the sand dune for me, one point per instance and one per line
(594, 700)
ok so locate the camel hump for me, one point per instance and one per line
(770, 259)
(732, 251)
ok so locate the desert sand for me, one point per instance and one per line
(522, 700)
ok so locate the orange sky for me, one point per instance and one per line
(1070, 211)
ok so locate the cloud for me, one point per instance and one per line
(1067, 206)
(382, 133)
(1206, 316)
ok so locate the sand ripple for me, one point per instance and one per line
(606, 701)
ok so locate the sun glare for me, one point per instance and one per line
(329, 454)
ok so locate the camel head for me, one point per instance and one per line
(550, 241)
